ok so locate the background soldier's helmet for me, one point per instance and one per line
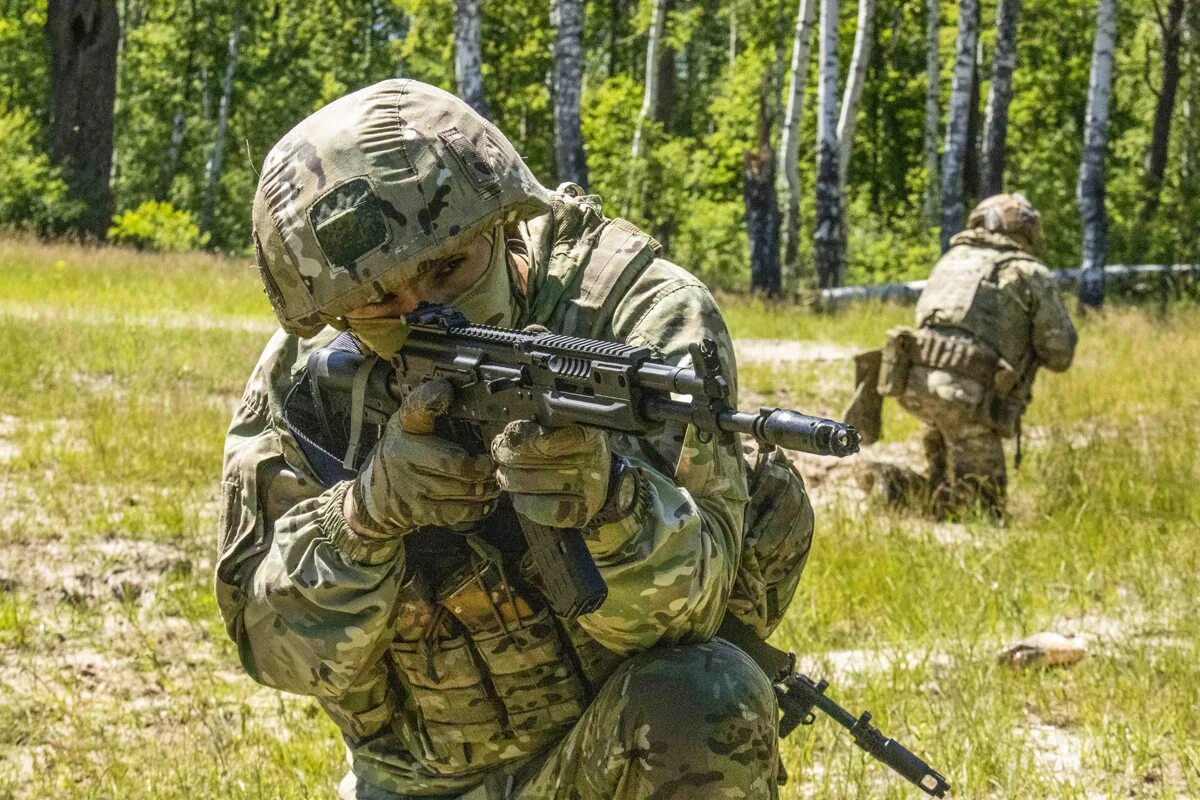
(1012, 215)
(353, 198)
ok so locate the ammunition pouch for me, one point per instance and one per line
(960, 355)
(897, 357)
(775, 545)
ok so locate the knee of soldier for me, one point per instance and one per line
(704, 701)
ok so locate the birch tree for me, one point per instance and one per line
(468, 54)
(567, 18)
(961, 87)
(216, 155)
(789, 138)
(83, 39)
(933, 110)
(1090, 189)
(658, 18)
(1171, 30)
(827, 245)
(995, 126)
(859, 60)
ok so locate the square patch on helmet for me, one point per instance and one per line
(349, 222)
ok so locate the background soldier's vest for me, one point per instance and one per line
(964, 293)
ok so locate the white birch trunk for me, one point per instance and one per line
(827, 236)
(217, 155)
(567, 17)
(933, 110)
(860, 59)
(789, 138)
(954, 159)
(658, 19)
(1090, 189)
(468, 54)
(995, 125)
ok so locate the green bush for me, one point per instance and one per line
(33, 193)
(157, 225)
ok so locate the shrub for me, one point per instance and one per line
(156, 225)
(33, 193)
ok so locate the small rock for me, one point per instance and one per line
(1045, 649)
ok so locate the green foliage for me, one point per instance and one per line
(32, 191)
(156, 225)
(687, 187)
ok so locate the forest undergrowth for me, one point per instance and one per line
(118, 375)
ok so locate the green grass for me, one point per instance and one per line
(110, 446)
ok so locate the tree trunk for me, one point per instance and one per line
(568, 84)
(933, 111)
(1156, 155)
(995, 126)
(972, 171)
(468, 54)
(789, 138)
(953, 211)
(855, 79)
(1090, 189)
(218, 150)
(82, 36)
(658, 18)
(665, 91)
(762, 206)
(827, 244)
(615, 16)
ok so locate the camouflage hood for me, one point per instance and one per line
(357, 195)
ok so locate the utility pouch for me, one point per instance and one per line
(1005, 379)
(778, 536)
(897, 358)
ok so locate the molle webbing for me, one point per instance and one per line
(618, 258)
(957, 354)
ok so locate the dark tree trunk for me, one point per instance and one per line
(616, 15)
(972, 172)
(82, 36)
(1090, 190)
(762, 204)
(957, 141)
(995, 127)
(568, 84)
(664, 101)
(468, 54)
(933, 190)
(1156, 155)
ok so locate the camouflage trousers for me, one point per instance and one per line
(680, 722)
(963, 449)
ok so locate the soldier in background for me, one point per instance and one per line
(392, 586)
(989, 317)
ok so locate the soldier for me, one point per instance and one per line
(990, 315)
(391, 587)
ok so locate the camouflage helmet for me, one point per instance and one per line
(353, 198)
(1011, 215)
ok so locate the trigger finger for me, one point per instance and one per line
(424, 405)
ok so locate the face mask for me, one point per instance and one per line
(489, 300)
(383, 335)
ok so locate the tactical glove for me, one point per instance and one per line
(415, 478)
(557, 477)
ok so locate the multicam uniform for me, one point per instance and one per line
(990, 315)
(439, 661)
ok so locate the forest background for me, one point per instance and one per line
(203, 88)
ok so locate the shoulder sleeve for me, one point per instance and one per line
(670, 569)
(1052, 334)
(304, 600)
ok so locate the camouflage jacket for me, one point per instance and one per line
(440, 666)
(986, 285)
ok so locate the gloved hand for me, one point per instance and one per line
(415, 478)
(557, 477)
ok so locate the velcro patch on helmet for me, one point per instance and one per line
(349, 222)
(478, 168)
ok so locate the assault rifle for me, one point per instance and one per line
(501, 375)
